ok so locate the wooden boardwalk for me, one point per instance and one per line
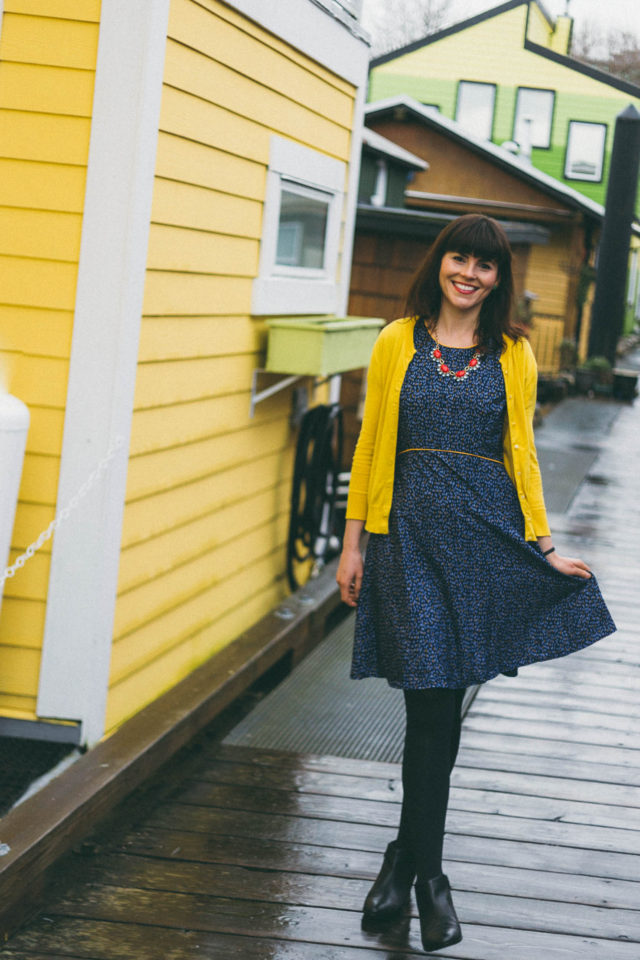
(268, 856)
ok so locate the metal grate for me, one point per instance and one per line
(319, 709)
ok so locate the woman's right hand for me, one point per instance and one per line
(349, 575)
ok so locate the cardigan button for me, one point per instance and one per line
(515, 446)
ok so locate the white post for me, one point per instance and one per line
(74, 673)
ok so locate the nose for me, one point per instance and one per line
(469, 269)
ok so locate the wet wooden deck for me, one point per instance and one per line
(266, 856)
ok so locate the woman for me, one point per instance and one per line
(462, 581)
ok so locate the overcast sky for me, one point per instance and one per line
(608, 13)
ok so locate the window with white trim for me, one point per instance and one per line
(538, 106)
(475, 108)
(585, 150)
(300, 232)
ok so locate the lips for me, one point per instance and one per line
(464, 288)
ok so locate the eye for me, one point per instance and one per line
(458, 256)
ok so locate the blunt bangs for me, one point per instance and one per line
(476, 237)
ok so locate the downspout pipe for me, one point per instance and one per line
(607, 316)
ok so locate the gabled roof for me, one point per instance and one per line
(570, 62)
(387, 148)
(455, 28)
(584, 68)
(513, 164)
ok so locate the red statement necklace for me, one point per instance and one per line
(443, 368)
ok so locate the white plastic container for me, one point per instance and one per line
(14, 426)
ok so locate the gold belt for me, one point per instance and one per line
(438, 450)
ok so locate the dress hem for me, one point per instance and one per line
(457, 684)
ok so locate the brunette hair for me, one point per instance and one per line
(479, 236)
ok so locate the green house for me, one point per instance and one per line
(506, 76)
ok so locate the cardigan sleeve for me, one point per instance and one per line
(535, 495)
(358, 498)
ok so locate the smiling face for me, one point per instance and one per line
(466, 280)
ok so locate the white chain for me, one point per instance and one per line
(65, 513)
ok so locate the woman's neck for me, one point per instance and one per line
(455, 328)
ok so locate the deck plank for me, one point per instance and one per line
(356, 809)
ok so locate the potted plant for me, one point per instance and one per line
(594, 374)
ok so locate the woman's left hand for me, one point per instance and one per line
(570, 565)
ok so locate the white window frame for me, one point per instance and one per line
(475, 83)
(540, 143)
(279, 289)
(591, 178)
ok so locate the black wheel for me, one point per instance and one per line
(315, 476)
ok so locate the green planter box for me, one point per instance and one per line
(320, 346)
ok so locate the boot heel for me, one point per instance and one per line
(391, 890)
(439, 925)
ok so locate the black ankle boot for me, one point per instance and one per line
(439, 924)
(392, 887)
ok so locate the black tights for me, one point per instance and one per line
(430, 750)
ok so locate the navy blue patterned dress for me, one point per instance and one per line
(454, 595)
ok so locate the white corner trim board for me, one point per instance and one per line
(312, 30)
(74, 672)
(352, 200)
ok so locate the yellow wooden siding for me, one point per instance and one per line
(552, 274)
(208, 530)
(549, 272)
(546, 336)
(176, 663)
(87, 11)
(41, 186)
(175, 338)
(561, 36)
(203, 546)
(186, 583)
(538, 28)
(48, 54)
(153, 516)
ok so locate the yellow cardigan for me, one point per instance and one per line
(371, 486)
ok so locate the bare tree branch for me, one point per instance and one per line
(617, 51)
(403, 21)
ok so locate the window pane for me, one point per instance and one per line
(537, 104)
(302, 230)
(585, 150)
(475, 108)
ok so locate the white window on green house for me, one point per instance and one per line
(475, 108)
(300, 232)
(537, 105)
(585, 151)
